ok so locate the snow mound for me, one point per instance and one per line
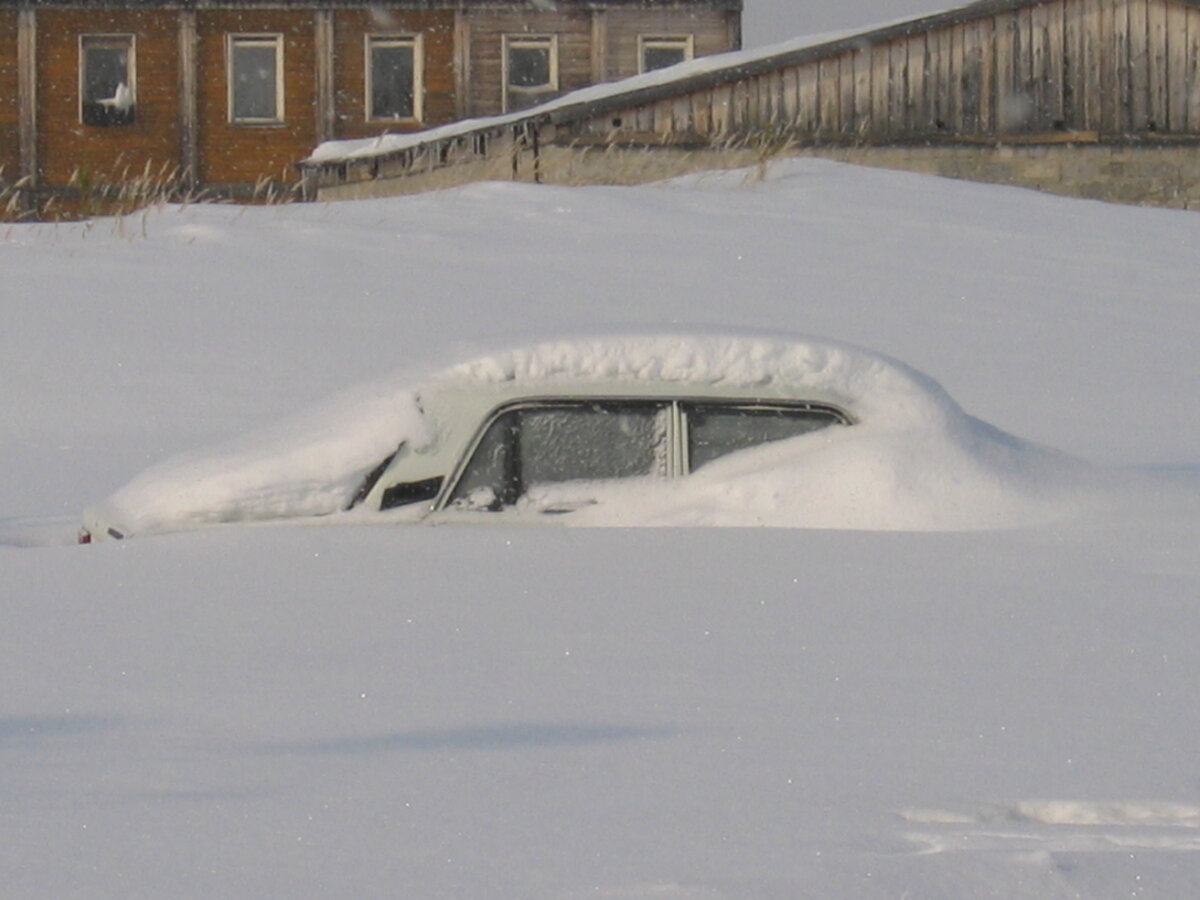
(307, 465)
(913, 460)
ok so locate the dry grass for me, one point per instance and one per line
(123, 191)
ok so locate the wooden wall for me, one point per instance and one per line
(709, 29)
(181, 121)
(232, 153)
(10, 141)
(68, 148)
(593, 46)
(487, 28)
(437, 30)
(1110, 67)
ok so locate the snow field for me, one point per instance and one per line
(522, 713)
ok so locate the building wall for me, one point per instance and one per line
(1162, 175)
(436, 28)
(70, 151)
(182, 125)
(487, 28)
(10, 142)
(1110, 67)
(234, 153)
(709, 28)
(600, 45)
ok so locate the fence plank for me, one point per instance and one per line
(829, 97)
(1158, 116)
(1139, 66)
(1177, 68)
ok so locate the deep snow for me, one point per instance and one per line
(509, 712)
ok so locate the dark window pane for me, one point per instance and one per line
(392, 82)
(661, 57)
(107, 82)
(714, 431)
(529, 67)
(254, 69)
(104, 70)
(549, 445)
(411, 492)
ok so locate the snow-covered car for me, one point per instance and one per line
(622, 430)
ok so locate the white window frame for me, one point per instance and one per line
(99, 40)
(529, 41)
(685, 42)
(417, 43)
(275, 41)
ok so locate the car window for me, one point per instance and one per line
(715, 430)
(544, 444)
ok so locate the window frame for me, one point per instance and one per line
(234, 40)
(677, 464)
(99, 40)
(528, 41)
(513, 461)
(400, 39)
(686, 42)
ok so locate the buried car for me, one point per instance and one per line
(649, 429)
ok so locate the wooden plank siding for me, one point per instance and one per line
(182, 126)
(1114, 67)
(10, 111)
(235, 153)
(69, 150)
(1192, 81)
(352, 28)
(572, 30)
(1123, 72)
(706, 27)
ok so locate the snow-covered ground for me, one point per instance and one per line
(502, 712)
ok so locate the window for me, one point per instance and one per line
(530, 451)
(393, 77)
(716, 430)
(106, 80)
(534, 446)
(530, 69)
(660, 51)
(255, 78)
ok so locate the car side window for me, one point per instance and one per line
(715, 430)
(548, 444)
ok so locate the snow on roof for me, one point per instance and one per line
(340, 151)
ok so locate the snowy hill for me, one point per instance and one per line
(557, 713)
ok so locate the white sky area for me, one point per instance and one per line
(767, 22)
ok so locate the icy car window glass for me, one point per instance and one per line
(714, 431)
(551, 444)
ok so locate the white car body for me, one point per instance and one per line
(632, 419)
